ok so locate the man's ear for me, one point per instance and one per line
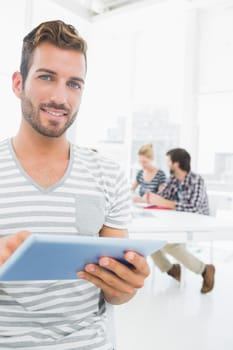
(17, 84)
(176, 165)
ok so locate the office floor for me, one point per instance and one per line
(164, 317)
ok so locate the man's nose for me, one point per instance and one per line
(59, 94)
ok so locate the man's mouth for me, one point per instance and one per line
(54, 112)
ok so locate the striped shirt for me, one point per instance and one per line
(189, 195)
(153, 185)
(58, 315)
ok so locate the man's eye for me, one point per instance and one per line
(45, 77)
(74, 85)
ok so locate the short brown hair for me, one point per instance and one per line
(58, 33)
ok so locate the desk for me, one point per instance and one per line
(176, 226)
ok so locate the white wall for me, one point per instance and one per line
(184, 58)
(215, 96)
(136, 58)
(17, 18)
(12, 27)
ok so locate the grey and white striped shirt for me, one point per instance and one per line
(59, 315)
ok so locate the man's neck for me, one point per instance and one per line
(180, 174)
(40, 147)
(150, 169)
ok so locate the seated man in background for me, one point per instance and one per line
(149, 178)
(184, 191)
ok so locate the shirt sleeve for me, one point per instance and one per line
(193, 198)
(138, 176)
(166, 191)
(119, 213)
(162, 179)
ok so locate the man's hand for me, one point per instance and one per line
(138, 199)
(155, 199)
(10, 243)
(120, 286)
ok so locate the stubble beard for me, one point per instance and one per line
(32, 116)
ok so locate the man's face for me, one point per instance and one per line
(171, 166)
(53, 89)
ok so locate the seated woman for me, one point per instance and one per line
(149, 178)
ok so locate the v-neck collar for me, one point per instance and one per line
(31, 180)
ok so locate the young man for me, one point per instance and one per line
(184, 191)
(51, 186)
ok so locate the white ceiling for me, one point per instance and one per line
(97, 7)
(103, 6)
(90, 9)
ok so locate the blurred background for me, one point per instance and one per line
(158, 71)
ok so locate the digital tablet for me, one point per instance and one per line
(60, 257)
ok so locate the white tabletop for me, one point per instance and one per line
(169, 223)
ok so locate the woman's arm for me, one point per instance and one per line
(134, 186)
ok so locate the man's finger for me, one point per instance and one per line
(99, 283)
(130, 275)
(14, 241)
(4, 257)
(10, 243)
(111, 279)
(139, 262)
